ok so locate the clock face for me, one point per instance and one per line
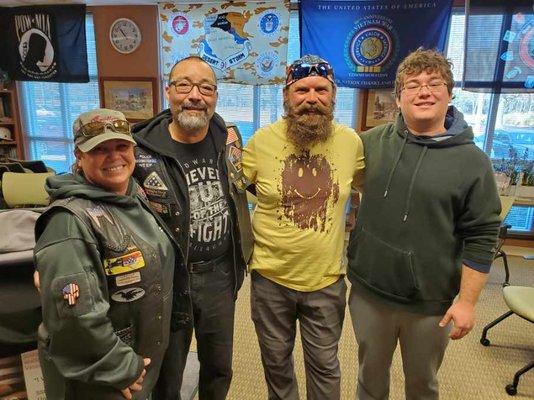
(124, 35)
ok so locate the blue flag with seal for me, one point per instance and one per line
(499, 46)
(44, 43)
(365, 40)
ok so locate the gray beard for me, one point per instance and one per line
(307, 130)
(190, 122)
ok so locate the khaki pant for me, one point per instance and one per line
(378, 328)
(275, 311)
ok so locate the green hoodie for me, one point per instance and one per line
(106, 271)
(429, 204)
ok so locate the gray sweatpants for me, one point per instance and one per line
(275, 311)
(378, 328)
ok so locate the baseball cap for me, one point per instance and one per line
(97, 126)
(309, 65)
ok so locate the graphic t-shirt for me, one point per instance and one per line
(299, 221)
(209, 234)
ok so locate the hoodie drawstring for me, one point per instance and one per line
(395, 166)
(412, 182)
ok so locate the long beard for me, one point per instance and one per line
(190, 122)
(305, 130)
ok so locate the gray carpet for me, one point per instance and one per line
(469, 371)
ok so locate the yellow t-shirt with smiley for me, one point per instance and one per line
(299, 220)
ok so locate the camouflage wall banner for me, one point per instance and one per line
(244, 42)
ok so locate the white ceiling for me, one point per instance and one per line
(9, 3)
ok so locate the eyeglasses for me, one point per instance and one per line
(98, 127)
(185, 87)
(299, 71)
(415, 87)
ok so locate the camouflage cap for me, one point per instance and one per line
(100, 125)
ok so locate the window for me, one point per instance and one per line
(503, 124)
(50, 108)
(251, 107)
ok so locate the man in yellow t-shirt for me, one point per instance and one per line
(303, 167)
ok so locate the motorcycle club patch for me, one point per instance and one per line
(232, 135)
(155, 186)
(128, 279)
(125, 263)
(145, 160)
(96, 213)
(234, 155)
(71, 292)
(128, 295)
(159, 207)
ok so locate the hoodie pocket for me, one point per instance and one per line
(385, 268)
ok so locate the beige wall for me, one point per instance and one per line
(144, 61)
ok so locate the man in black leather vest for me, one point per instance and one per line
(189, 164)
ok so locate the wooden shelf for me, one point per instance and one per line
(9, 118)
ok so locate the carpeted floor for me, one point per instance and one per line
(469, 371)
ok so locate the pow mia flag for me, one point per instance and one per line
(44, 43)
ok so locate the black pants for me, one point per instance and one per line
(213, 314)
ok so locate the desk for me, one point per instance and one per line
(520, 217)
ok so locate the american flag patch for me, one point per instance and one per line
(153, 181)
(70, 293)
(232, 135)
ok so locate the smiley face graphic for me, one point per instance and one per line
(307, 187)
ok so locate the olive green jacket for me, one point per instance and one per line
(106, 270)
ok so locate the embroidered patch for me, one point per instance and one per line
(153, 181)
(159, 207)
(126, 335)
(235, 158)
(128, 295)
(145, 161)
(154, 185)
(128, 279)
(232, 135)
(71, 292)
(125, 263)
(96, 213)
(141, 193)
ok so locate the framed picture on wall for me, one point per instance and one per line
(135, 97)
(379, 107)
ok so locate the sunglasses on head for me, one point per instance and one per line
(299, 71)
(98, 127)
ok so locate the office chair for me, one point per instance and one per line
(13, 166)
(20, 307)
(520, 301)
(506, 205)
(33, 165)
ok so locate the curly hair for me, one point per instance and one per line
(424, 60)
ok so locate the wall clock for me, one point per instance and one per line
(124, 35)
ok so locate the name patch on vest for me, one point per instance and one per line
(128, 279)
(125, 263)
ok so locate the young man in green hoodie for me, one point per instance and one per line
(426, 232)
